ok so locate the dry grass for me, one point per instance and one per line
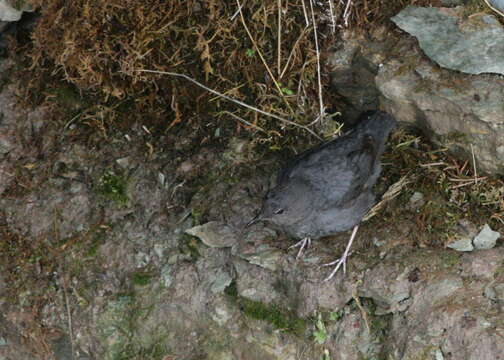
(452, 190)
(267, 55)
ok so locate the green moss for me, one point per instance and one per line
(156, 351)
(232, 290)
(197, 215)
(450, 258)
(274, 314)
(113, 187)
(280, 318)
(141, 278)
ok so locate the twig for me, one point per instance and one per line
(494, 8)
(433, 164)
(346, 13)
(361, 308)
(277, 85)
(391, 193)
(69, 313)
(463, 167)
(321, 102)
(475, 180)
(236, 13)
(245, 121)
(285, 121)
(474, 166)
(305, 30)
(305, 13)
(333, 18)
(279, 42)
(407, 142)
(465, 182)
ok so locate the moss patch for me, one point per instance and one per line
(279, 317)
(113, 187)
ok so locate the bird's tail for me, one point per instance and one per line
(377, 124)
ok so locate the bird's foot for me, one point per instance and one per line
(302, 245)
(341, 262)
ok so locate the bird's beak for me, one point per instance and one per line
(256, 219)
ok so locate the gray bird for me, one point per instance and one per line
(328, 189)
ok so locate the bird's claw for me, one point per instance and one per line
(303, 244)
(342, 261)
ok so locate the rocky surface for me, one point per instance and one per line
(473, 45)
(112, 272)
(460, 112)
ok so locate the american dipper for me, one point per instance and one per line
(328, 189)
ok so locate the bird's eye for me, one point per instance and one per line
(279, 211)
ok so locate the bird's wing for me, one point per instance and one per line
(338, 171)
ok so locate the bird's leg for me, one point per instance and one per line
(303, 244)
(342, 261)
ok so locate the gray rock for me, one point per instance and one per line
(486, 239)
(464, 244)
(496, 5)
(459, 112)
(452, 2)
(214, 234)
(11, 13)
(267, 257)
(221, 281)
(465, 232)
(474, 45)
(124, 162)
(416, 201)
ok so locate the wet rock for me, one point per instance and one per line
(486, 239)
(214, 234)
(474, 45)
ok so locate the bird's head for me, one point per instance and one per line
(284, 205)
